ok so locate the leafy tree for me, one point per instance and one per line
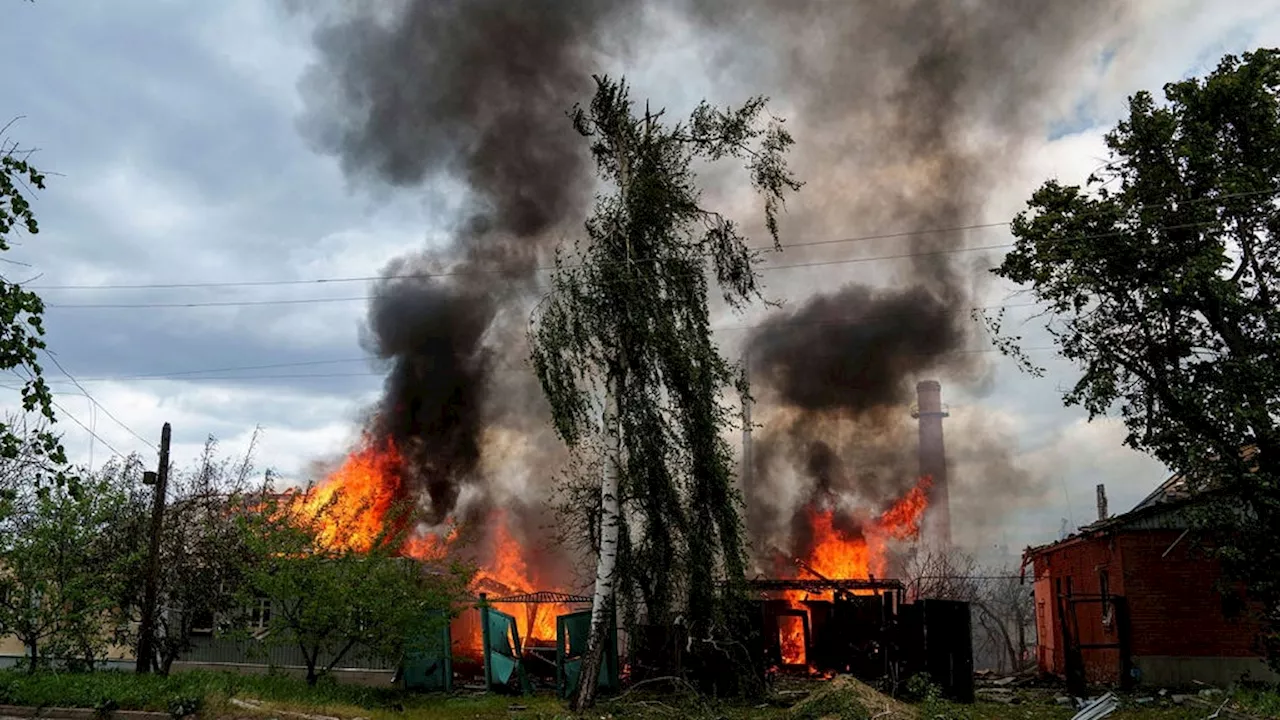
(62, 566)
(622, 348)
(204, 554)
(21, 316)
(1160, 282)
(331, 603)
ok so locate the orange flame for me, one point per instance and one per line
(838, 554)
(351, 505)
(508, 573)
(791, 635)
(353, 508)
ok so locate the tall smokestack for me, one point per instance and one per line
(933, 458)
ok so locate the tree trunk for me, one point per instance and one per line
(35, 657)
(602, 599)
(312, 677)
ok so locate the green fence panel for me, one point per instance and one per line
(572, 633)
(430, 666)
(501, 649)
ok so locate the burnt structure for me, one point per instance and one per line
(866, 629)
(930, 411)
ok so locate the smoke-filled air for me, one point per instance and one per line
(904, 113)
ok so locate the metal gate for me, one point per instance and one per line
(1095, 638)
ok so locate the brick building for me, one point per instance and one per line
(1130, 600)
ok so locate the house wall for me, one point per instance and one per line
(1184, 626)
(1084, 566)
(1179, 628)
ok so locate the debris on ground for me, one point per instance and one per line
(1099, 708)
(847, 697)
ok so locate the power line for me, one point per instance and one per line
(364, 298)
(775, 323)
(370, 373)
(234, 368)
(92, 434)
(500, 271)
(360, 298)
(67, 413)
(97, 404)
(812, 243)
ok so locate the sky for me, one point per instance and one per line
(170, 132)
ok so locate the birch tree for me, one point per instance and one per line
(622, 348)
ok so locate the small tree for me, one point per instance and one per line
(1161, 280)
(622, 347)
(21, 318)
(331, 603)
(62, 567)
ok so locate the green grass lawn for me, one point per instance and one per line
(212, 694)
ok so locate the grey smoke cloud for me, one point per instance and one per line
(905, 112)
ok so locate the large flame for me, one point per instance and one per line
(355, 507)
(841, 553)
(861, 553)
(351, 507)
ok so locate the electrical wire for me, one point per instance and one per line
(813, 243)
(68, 414)
(97, 404)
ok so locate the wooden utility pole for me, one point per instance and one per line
(146, 629)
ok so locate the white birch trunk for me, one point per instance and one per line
(610, 510)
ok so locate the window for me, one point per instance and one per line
(202, 623)
(260, 614)
(1233, 604)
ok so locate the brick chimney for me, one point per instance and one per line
(933, 458)
(1102, 502)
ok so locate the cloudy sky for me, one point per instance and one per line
(188, 224)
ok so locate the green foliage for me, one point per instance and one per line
(331, 602)
(921, 688)
(628, 310)
(204, 551)
(1161, 281)
(21, 318)
(184, 705)
(64, 564)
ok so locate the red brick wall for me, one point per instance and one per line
(1175, 606)
(1078, 568)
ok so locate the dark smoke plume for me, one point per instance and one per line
(911, 112)
(905, 113)
(474, 91)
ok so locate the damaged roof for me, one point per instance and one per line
(1159, 510)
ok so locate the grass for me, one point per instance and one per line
(210, 693)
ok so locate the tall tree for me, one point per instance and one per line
(21, 313)
(1160, 282)
(622, 347)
